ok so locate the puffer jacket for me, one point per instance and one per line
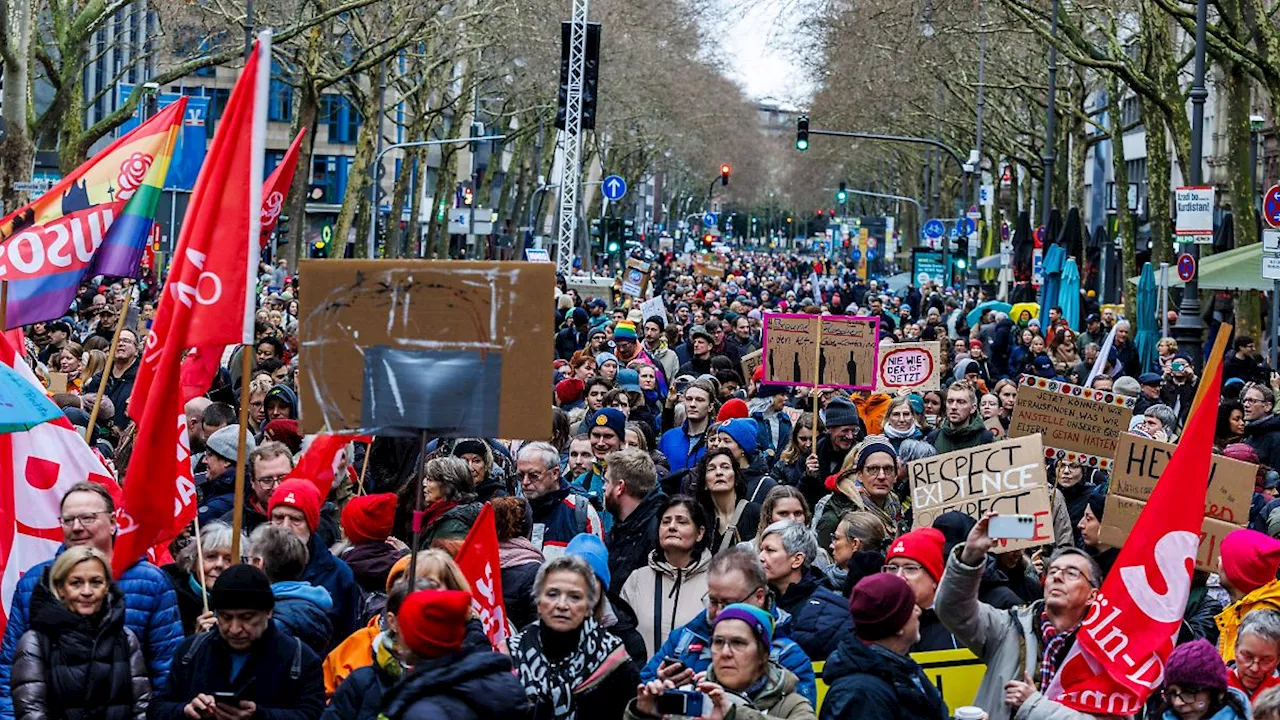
(665, 597)
(1266, 597)
(777, 698)
(302, 611)
(461, 686)
(819, 617)
(71, 667)
(326, 571)
(150, 611)
(870, 682)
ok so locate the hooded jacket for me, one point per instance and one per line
(72, 667)
(665, 597)
(301, 611)
(947, 438)
(872, 410)
(469, 684)
(285, 394)
(870, 682)
(1266, 597)
(819, 617)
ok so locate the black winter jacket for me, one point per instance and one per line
(190, 603)
(869, 682)
(282, 676)
(360, 695)
(69, 667)
(819, 616)
(462, 686)
(631, 539)
(1263, 435)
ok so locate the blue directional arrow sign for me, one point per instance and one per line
(614, 188)
(967, 226)
(709, 219)
(855, 254)
(934, 229)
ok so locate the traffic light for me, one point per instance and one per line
(843, 193)
(318, 249)
(802, 133)
(962, 250)
(468, 195)
(724, 174)
(962, 263)
(831, 212)
(706, 241)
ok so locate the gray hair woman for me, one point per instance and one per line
(449, 494)
(192, 578)
(1257, 654)
(570, 666)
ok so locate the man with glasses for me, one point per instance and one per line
(1262, 425)
(869, 486)
(269, 464)
(1005, 640)
(917, 558)
(217, 485)
(734, 576)
(151, 606)
(559, 514)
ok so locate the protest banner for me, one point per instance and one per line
(910, 366)
(1077, 423)
(751, 362)
(1138, 464)
(708, 266)
(57, 382)
(479, 563)
(443, 339)
(1007, 477)
(635, 278)
(839, 352)
(652, 307)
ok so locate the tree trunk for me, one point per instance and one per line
(1240, 171)
(1126, 227)
(17, 151)
(306, 114)
(358, 181)
(438, 230)
(1159, 177)
(413, 233)
(400, 194)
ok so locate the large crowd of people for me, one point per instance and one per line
(690, 541)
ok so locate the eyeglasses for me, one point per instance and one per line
(87, 520)
(733, 645)
(1068, 573)
(875, 470)
(710, 602)
(906, 571)
(1182, 696)
(530, 474)
(270, 480)
(1244, 658)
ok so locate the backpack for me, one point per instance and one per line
(372, 604)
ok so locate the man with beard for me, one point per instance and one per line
(963, 427)
(655, 345)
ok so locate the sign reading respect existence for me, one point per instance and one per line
(1139, 462)
(911, 366)
(1007, 477)
(1077, 423)
(843, 350)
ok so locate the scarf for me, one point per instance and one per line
(517, 551)
(890, 432)
(1056, 645)
(384, 655)
(432, 512)
(890, 515)
(553, 682)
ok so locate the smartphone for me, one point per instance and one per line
(670, 662)
(1012, 527)
(689, 703)
(227, 698)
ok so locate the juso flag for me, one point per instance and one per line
(478, 560)
(276, 188)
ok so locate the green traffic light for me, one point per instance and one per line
(802, 144)
(613, 246)
(962, 263)
(841, 196)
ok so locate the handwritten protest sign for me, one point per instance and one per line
(846, 357)
(1138, 464)
(635, 279)
(1007, 477)
(650, 308)
(1076, 422)
(911, 366)
(750, 362)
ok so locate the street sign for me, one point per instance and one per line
(614, 188)
(968, 226)
(1271, 206)
(1271, 267)
(955, 231)
(1004, 231)
(855, 254)
(986, 195)
(709, 219)
(1271, 241)
(973, 213)
(1039, 235)
(1194, 207)
(934, 229)
(537, 255)
(1186, 267)
(1271, 253)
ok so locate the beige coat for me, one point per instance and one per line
(665, 597)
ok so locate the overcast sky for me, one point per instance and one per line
(759, 48)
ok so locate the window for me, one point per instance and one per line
(1131, 114)
(271, 161)
(279, 97)
(337, 112)
(324, 175)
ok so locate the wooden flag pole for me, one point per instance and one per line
(817, 354)
(237, 518)
(364, 467)
(204, 591)
(106, 371)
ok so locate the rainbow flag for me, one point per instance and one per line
(95, 221)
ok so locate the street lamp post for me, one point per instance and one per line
(1189, 330)
(1050, 120)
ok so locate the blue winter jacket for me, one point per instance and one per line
(151, 612)
(302, 611)
(326, 571)
(691, 645)
(819, 617)
(681, 454)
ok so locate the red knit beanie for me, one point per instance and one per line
(1249, 559)
(735, 408)
(368, 518)
(924, 545)
(433, 623)
(569, 390)
(301, 495)
(285, 431)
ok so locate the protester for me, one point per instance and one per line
(793, 463)
(855, 550)
(963, 427)
(685, 445)
(286, 679)
(479, 459)
(720, 489)
(614, 614)
(1257, 652)
(359, 696)
(518, 558)
(1262, 425)
(740, 437)
(1249, 562)
(561, 512)
(1090, 527)
(300, 608)
(917, 558)
(218, 486)
(865, 483)
(844, 429)
(1195, 686)
(631, 496)
(195, 573)
(818, 615)
(367, 521)
(78, 659)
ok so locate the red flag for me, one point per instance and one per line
(276, 188)
(1121, 647)
(207, 301)
(319, 463)
(478, 560)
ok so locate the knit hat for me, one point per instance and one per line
(285, 431)
(841, 412)
(242, 587)
(917, 403)
(871, 445)
(768, 391)
(1196, 664)
(1249, 559)
(743, 431)
(580, 316)
(1097, 502)
(881, 604)
(758, 620)
(924, 545)
(368, 518)
(570, 390)
(592, 549)
(470, 446)
(433, 623)
(657, 320)
(611, 418)
(624, 330)
(301, 495)
(225, 442)
(734, 408)
(1241, 452)
(605, 357)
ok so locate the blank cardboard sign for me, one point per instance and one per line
(499, 312)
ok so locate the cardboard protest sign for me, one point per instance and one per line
(911, 366)
(708, 265)
(58, 383)
(750, 362)
(656, 306)
(1007, 477)
(846, 351)
(425, 345)
(1138, 464)
(1075, 422)
(635, 278)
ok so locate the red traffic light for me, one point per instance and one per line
(724, 169)
(831, 212)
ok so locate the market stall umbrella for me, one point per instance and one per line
(1146, 336)
(1023, 252)
(1104, 248)
(1069, 294)
(22, 405)
(1072, 236)
(1055, 256)
(976, 314)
